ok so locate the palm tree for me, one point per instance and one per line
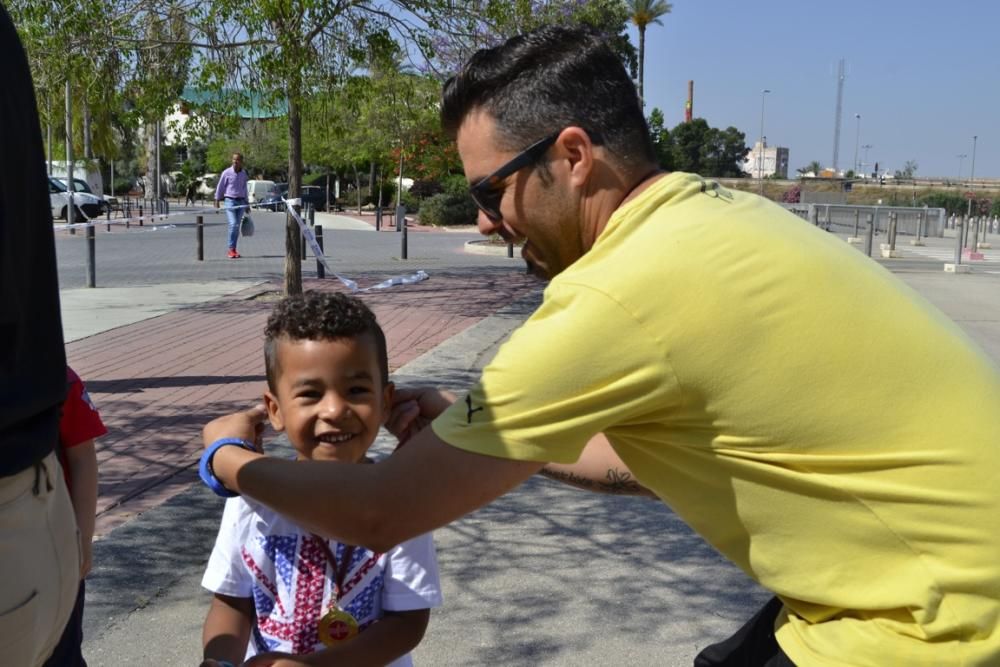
(644, 13)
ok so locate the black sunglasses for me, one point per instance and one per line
(487, 195)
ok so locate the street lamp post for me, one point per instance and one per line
(857, 142)
(960, 159)
(760, 155)
(865, 149)
(972, 176)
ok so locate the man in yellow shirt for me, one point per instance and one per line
(738, 361)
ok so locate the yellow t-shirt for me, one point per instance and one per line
(817, 421)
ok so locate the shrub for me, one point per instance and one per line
(792, 195)
(951, 203)
(423, 189)
(455, 184)
(448, 209)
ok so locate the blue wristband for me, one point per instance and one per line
(205, 465)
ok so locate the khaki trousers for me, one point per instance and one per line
(39, 562)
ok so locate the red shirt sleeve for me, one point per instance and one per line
(80, 420)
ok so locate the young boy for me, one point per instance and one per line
(79, 424)
(280, 589)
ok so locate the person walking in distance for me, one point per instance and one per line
(232, 189)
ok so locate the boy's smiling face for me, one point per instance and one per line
(329, 397)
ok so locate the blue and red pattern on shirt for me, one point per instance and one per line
(302, 578)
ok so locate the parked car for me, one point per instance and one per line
(273, 200)
(80, 185)
(311, 194)
(86, 204)
(314, 195)
(258, 190)
(206, 185)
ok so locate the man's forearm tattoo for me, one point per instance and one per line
(568, 478)
(621, 482)
(618, 482)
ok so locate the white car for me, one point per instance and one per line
(87, 205)
(206, 185)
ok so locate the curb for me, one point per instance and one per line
(484, 247)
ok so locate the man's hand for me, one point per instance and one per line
(414, 408)
(247, 425)
(216, 203)
(86, 557)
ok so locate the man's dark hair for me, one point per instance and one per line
(542, 81)
(320, 316)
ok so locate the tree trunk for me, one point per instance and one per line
(293, 236)
(150, 179)
(371, 181)
(357, 187)
(88, 147)
(642, 62)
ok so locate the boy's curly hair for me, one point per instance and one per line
(320, 316)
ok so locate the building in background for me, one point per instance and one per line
(774, 162)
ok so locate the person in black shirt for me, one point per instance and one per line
(39, 547)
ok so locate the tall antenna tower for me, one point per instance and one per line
(840, 102)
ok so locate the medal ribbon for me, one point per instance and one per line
(340, 573)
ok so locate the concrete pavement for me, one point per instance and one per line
(546, 575)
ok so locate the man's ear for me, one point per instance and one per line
(273, 411)
(387, 393)
(575, 146)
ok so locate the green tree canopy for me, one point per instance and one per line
(699, 148)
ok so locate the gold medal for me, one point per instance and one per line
(337, 626)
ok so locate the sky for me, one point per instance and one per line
(924, 76)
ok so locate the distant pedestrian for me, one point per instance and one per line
(232, 189)
(328, 389)
(79, 424)
(191, 192)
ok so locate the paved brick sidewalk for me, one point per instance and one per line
(158, 381)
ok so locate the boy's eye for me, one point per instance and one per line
(308, 394)
(360, 390)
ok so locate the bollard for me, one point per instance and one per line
(91, 257)
(869, 218)
(312, 215)
(510, 249)
(400, 217)
(958, 241)
(402, 251)
(920, 225)
(109, 217)
(378, 218)
(893, 220)
(199, 226)
(813, 215)
(320, 269)
(857, 221)
(964, 235)
(140, 215)
(975, 234)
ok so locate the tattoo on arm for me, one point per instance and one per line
(617, 482)
(621, 482)
(568, 478)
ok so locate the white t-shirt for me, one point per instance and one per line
(284, 569)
